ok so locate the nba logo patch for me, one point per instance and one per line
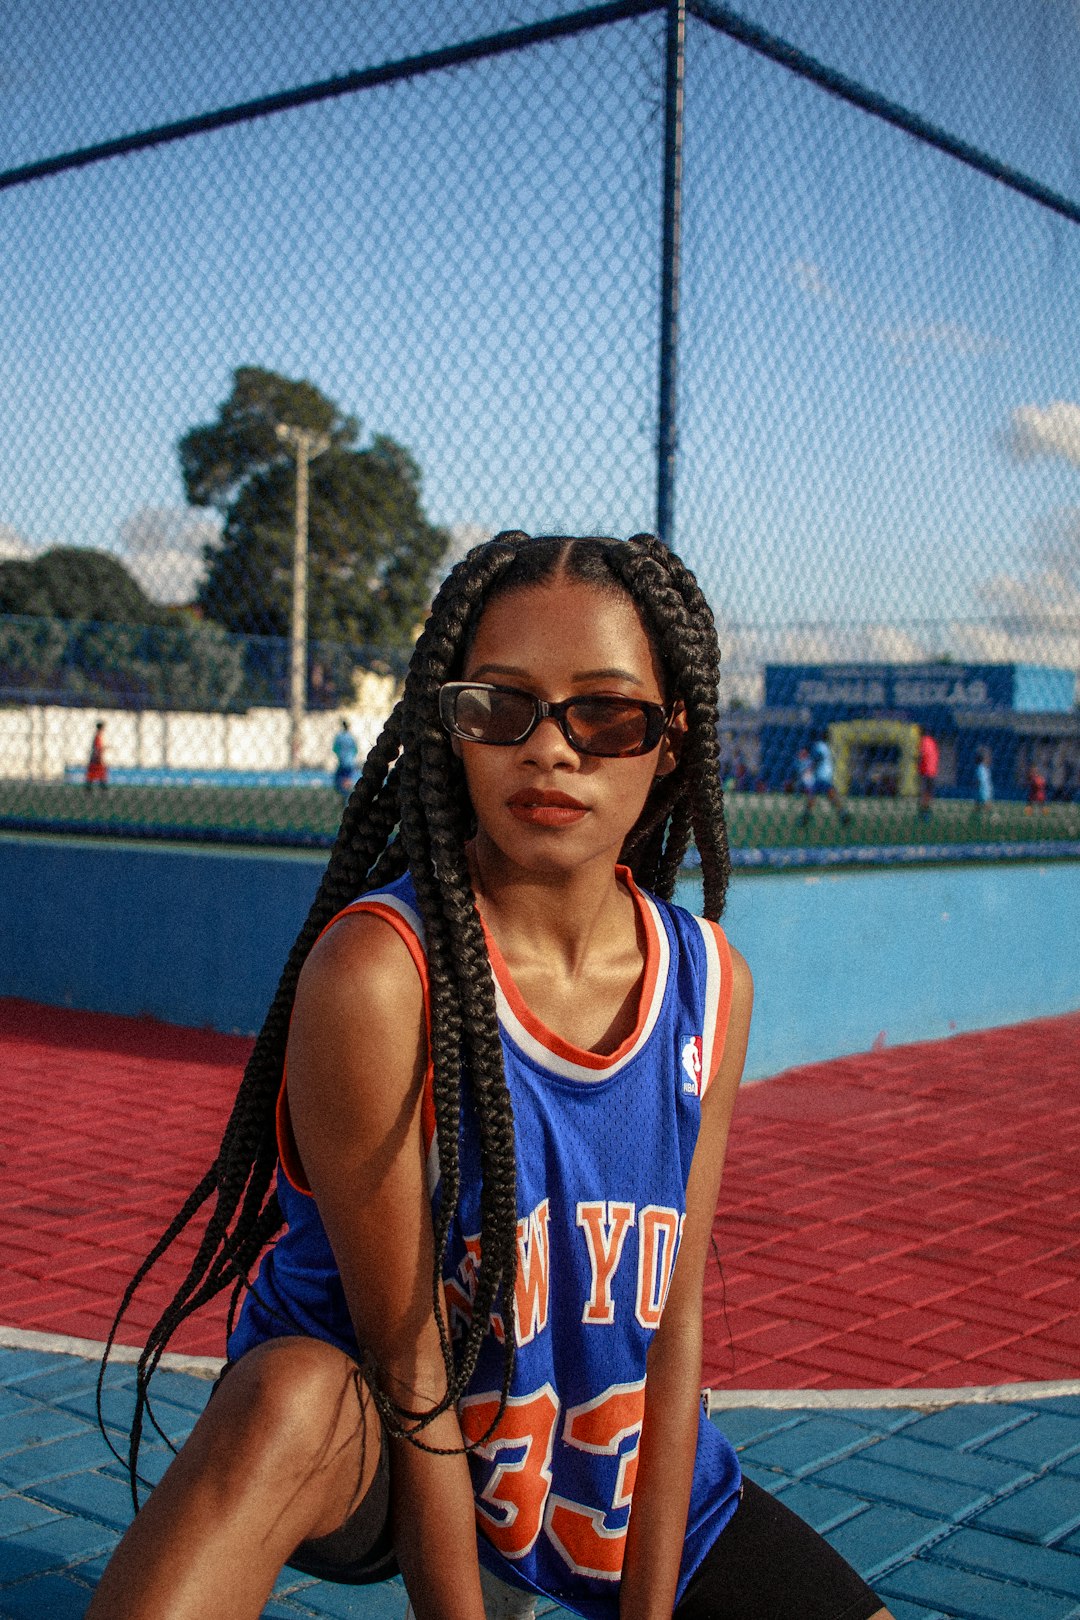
(691, 1062)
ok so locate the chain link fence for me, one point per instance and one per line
(798, 290)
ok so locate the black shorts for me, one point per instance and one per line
(767, 1564)
(362, 1550)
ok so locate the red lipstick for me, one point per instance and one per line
(545, 809)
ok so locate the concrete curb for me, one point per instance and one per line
(716, 1400)
(726, 1400)
(64, 1344)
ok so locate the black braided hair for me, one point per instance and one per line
(410, 809)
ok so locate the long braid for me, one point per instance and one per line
(410, 810)
(466, 1035)
(243, 1170)
(674, 610)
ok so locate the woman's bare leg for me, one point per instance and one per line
(285, 1450)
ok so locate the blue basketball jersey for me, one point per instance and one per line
(603, 1152)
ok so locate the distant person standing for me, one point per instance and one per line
(1036, 791)
(346, 751)
(804, 782)
(97, 772)
(817, 775)
(984, 782)
(929, 761)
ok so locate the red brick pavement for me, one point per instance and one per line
(903, 1218)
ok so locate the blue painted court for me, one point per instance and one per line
(968, 1510)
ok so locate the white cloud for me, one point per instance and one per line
(1034, 616)
(163, 548)
(906, 342)
(949, 337)
(1050, 431)
(1011, 641)
(1029, 620)
(811, 279)
(14, 547)
(746, 649)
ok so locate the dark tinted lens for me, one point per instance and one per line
(492, 717)
(607, 725)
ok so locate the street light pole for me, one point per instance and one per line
(305, 446)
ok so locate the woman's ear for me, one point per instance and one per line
(672, 741)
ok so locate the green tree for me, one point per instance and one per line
(371, 550)
(76, 626)
(74, 582)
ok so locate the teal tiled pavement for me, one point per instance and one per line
(970, 1511)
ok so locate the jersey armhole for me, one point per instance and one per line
(288, 1154)
(718, 993)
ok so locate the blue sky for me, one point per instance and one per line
(469, 263)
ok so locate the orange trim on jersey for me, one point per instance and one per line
(547, 1037)
(723, 1011)
(286, 1142)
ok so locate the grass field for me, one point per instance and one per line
(310, 815)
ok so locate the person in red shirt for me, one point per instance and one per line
(97, 772)
(929, 759)
(1036, 791)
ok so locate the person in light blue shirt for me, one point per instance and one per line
(984, 782)
(817, 775)
(346, 752)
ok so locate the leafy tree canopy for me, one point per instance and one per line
(75, 627)
(218, 459)
(371, 550)
(74, 582)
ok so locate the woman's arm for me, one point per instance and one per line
(657, 1528)
(356, 1063)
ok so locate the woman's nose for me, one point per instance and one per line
(548, 744)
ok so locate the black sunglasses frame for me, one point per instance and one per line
(657, 718)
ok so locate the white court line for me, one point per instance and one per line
(716, 1400)
(63, 1344)
(823, 1400)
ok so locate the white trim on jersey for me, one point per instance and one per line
(565, 1068)
(383, 897)
(712, 1000)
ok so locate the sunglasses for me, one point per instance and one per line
(500, 716)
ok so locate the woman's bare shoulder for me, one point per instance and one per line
(742, 980)
(361, 965)
(357, 1039)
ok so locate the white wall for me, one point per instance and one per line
(38, 742)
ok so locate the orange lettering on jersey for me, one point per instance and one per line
(531, 1284)
(586, 1538)
(510, 1505)
(460, 1290)
(658, 1230)
(605, 1226)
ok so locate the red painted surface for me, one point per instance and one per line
(903, 1218)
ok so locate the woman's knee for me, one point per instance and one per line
(295, 1407)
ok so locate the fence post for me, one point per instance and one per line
(667, 431)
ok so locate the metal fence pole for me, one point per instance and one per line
(306, 446)
(667, 429)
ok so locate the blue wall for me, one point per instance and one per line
(841, 959)
(198, 937)
(195, 937)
